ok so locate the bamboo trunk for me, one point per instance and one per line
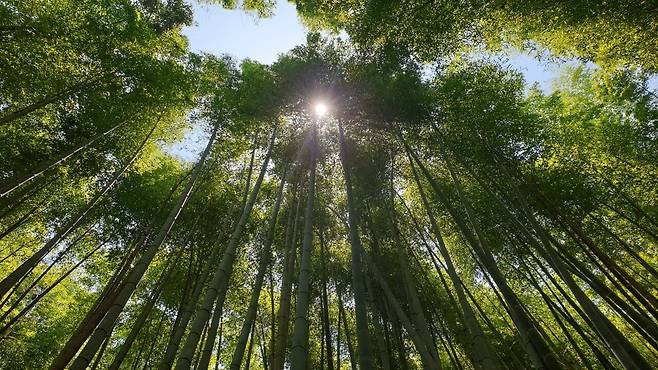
(283, 314)
(22, 270)
(533, 343)
(138, 271)
(19, 180)
(362, 333)
(299, 351)
(265, 259)
(480, 348)
(219, 284)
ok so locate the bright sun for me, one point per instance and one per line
(320, 109)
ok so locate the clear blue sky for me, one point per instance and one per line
(242, 35)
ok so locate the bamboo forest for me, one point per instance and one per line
(389, 194)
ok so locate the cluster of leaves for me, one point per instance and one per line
(612, 33)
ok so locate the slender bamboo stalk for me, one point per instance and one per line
(20, 180)
(265, 259)
(138, 271)
(281, 335)
(8, 282)
(219, 283)
(362, 332)
(299, 350)
(533, 343)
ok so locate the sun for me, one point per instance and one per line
(320, 109)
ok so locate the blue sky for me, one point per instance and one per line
(242, 35)
(217, 30)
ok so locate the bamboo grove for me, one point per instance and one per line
(443, 214)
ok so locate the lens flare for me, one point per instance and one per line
(320, 109)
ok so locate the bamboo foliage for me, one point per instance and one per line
(351, 208)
